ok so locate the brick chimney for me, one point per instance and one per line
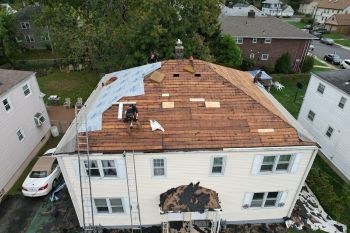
(179, 49)
(251, 14)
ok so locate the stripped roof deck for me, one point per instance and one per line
(190, 125)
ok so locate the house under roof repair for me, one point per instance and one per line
(196, 122)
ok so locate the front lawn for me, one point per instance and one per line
(338, 38)
(297, 24)
(330, 189)
(69, 85)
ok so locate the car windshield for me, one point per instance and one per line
(347, 62)
(336, 57)
(38, 174)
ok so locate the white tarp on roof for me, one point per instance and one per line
(129, 83)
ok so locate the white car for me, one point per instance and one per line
(345, 64)
(42, 178)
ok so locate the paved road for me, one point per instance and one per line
(322, 49)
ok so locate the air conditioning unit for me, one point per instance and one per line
(39, 119)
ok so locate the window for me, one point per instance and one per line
(7, 104)
(26, 90)
(29, 38)
(254, 40)
(276, 163)
(342, 102)
(25, 25)
(264, 57)
(109, 168)
(268, 199)
(94, 170)
(39, 119)
(44, 37)
(158, 167)
(268, 40)
(109, 205)
(311, 115)
(321, 88)
(217, 165)
(329, 132)
(239, 40)
(251, 56)
(20, 135)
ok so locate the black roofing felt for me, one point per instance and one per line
(338, 78)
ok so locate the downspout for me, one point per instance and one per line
(302, 181)
(306, 46)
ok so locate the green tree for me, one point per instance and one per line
(308, 64)
(283, 64)
(7, 36)
(226, 52)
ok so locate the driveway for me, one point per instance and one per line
(322, 49)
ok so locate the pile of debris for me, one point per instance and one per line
(309, 214)
(256, 228)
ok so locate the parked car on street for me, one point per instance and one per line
(328, 41)
(42, 178)
(333, 58)
(345, 64)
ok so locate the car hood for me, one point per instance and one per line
(34, 182)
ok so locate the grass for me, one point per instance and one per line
(16, 189)
(338, 38)
(34, 54)
(286, 98)
(297, 24)
(69, 85)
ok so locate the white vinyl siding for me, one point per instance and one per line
(342, 102)
(158, 167)
(264, 57)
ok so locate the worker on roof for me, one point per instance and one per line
(132, 115)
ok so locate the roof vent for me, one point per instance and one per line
(176, 75)
(212, 104)
(167, 104)
(179, 49)
(197, 75)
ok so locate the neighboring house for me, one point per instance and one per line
(219, 128)
(24, 124)
(28, 34)
(276, 8)
(239, 9)
(327, 8)
(338, 23)
(325, 113)
(7, 8)
(265, 39)
(308, 7)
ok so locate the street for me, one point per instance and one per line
(322, 49)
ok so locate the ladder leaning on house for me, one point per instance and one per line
(84, 163)
(134, 207)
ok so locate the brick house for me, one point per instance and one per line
(265, 39)
(339, 23)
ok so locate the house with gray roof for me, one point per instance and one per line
(24, 124)
(265, 39)
(325, 113)
(239, 9)
(276, 8)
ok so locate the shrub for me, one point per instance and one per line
(308, 64)
(307, 20)
(248, 64)
(283, 64)
(268, 68)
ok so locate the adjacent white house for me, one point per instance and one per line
(239, 9)
(327, 8)
(325, 114)
(24, 124)
(218, 128)
(276, 8)
(308, 7)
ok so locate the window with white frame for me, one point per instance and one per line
(158, 167)
(329, 132)
(254, 40)
(109, 205)
(109, 168)
(25, 25)
(29, 38)
(20, 135)
(7, 104)
(266, 199)
(321, 88)
(217, 165)
(268, 41)
(91, 168)
(239, 40)
(264, 57)
(342, 102)
(311, 115)
(276, 163)
(26, 90)
(251, 56)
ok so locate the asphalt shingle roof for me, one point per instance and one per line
(261, 27)
(334, 4)
(9, 78)
(338, 78)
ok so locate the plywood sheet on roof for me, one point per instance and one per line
(212, 104)
(167, 104)
(157, 76)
